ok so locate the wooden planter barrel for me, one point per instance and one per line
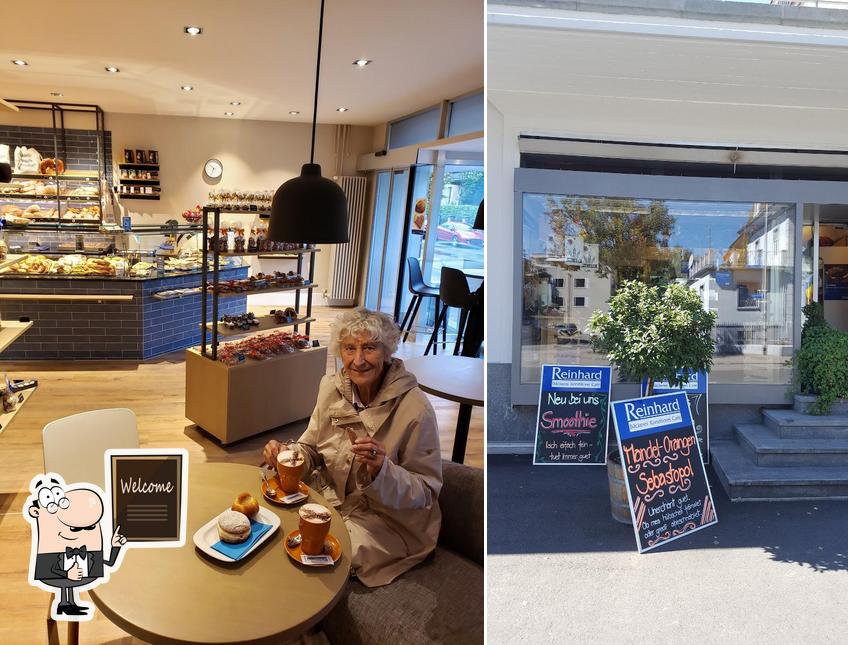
(618, 489)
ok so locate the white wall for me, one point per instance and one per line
(501, 160)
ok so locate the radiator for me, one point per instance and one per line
(345, 257)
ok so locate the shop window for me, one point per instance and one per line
(737, 256)
(417, 128)
(466, 115)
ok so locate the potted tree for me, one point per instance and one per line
(653, 332)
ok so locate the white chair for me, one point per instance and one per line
(74, 445)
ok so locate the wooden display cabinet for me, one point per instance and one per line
(239, 401)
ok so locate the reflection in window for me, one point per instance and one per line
(737, 256)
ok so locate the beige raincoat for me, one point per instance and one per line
(393, 520)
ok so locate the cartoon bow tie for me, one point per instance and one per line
(82, 552)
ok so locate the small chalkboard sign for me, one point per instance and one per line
(148, 490)
(699, 405)
(666, 481)
(573, 415)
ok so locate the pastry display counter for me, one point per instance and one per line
(106, 317)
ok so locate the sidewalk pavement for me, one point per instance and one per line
(561, 570)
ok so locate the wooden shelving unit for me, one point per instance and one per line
(139, 181)
(266, 323)
(6, 417)
(253, 292)
(10, 331)
(291, 253)
(242, 400)
(68, 175)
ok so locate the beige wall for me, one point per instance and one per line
(255, 154)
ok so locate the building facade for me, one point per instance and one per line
(664, 143)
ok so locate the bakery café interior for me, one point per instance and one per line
(241, 322)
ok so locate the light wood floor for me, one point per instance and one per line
(155, 391)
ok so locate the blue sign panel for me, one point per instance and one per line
(697, 384)
(836, 282)
(640, 417)
(579, 378)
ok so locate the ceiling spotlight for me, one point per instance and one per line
(361, 62)
(342, 109)
(229, 113)
(193, 31)
(235, 102)
(186, 88)
(112, 69)
(56, 94)
(294, 112)
(20, 62)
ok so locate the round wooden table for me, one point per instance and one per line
(183, 596)
(455, 378)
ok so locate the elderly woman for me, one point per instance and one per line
(372, 446)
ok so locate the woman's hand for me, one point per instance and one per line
(270, 452)
(371, 453)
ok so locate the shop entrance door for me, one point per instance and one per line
(826, 249)
(384, 262)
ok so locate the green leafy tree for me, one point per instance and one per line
(662, 333)
(471, 186)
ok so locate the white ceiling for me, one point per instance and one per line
(259, 52)
(592, 80)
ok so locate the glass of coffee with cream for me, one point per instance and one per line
(314, 527)
(290, 469)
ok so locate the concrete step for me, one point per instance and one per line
(766, 448)
(794, 425)
(744, 481)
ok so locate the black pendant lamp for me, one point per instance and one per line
(5, 173)
(310, 209)
(478, 221)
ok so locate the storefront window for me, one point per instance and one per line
(737, 256)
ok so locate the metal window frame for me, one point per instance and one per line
(800, 193)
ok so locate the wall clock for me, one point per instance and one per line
(213, 168)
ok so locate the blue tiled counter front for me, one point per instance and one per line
(135, 329)
(174, 324)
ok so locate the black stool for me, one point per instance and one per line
(419, 290)
(453, 292)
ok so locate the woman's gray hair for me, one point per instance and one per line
(375, 325)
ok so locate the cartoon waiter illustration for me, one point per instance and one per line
(67, 553)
